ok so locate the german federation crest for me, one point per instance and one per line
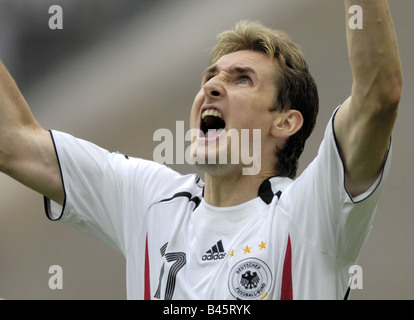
(250, 279)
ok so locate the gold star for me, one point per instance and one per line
(262, 245)
(247, 249)
(232, 253)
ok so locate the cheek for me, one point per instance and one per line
(195, 109)
(253, 118)
(245, 114)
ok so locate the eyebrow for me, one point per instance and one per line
(240, 70)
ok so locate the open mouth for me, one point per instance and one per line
(211, 119)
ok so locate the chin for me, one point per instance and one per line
(216, 169)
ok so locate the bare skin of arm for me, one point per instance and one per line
(364, 123)
(27, 153)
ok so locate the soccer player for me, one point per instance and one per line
(233, 235)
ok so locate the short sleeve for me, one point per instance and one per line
(319, 205)
(107, 194)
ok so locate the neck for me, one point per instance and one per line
(230, 190)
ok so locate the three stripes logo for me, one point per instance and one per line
(215, 253)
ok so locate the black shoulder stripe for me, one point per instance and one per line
(188, 195)
(266, 193)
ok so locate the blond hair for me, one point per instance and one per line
(295, 87)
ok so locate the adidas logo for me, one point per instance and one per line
(215, 253)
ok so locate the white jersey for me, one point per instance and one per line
(296, 240)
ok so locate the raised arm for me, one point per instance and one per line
(26, 150)
(364, 123)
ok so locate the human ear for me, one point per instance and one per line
(286, 123)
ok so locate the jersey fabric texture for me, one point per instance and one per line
(296, 240)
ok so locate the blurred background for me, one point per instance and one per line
(120, 70)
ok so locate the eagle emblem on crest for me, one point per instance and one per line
(249, 280)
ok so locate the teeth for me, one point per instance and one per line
(211, 112)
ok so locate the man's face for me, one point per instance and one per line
(236, 93)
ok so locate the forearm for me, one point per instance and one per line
(373, 54)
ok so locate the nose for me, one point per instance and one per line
(214, 88)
